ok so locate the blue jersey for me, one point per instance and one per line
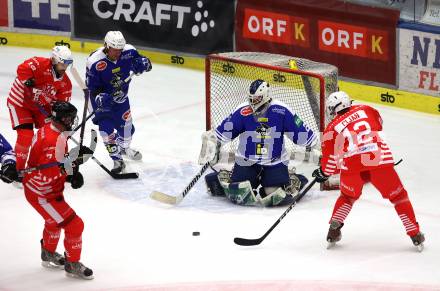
(106, 76)
(261, 137)
(6, 153)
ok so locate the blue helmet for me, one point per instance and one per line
(258, 94)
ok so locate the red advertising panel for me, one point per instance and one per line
(276, 27)
(3, 12)
(359, 40)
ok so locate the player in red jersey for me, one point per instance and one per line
(44, 191)
(39, 83)
(354, 147)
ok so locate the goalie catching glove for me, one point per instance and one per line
(210, 148)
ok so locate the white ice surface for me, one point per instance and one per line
(134, 243)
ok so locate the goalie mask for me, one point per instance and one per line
(258, 94)
(337, 101)
(64, 113)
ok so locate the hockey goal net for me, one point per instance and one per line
(300, 83)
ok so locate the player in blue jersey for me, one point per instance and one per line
(261, 159)
(7, 158)
(107, 69)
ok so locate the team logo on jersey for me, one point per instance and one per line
(101, 66)
(245, 111)
(263, 130)
(127, 115)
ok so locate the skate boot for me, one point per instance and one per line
(418, 240)
(118, 166)
(51, 260)
(131, 154)
(334, 233)
(78, 270)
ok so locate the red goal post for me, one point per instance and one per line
(300, 83)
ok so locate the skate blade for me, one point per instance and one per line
(76, 276)
(330, 245)
(420, 247)
(50, 265)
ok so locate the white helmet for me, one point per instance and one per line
(337, 101)
(114, 39)
(61, 54)
(258, 94)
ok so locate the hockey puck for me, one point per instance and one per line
(196, 233)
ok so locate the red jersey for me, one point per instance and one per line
(352, 142)
(49, 145)
(47, 89)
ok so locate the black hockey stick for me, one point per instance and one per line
(252, 242)
(84, 117)
(169, 199)
(116, 176)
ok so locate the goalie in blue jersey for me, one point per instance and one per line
(107, 71)
(261, 159)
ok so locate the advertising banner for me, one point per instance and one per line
(419, 61)
(42, 14)
(199, 27)
(3, 12)
(359, 40)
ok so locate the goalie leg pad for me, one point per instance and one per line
(272, 196)
(213, 185)
(240, 193)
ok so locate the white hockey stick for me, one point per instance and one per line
(169, 199)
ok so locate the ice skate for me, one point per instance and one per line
(334, 233)
(131, 154)
(418, 240)
(118, 166)
(78, 270)
(51, 260)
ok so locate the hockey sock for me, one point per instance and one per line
(51, 236)
(24, 141)
(406, 212)
(73, 239)
(342, 208)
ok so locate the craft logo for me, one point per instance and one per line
(3, 41)
(161, 14)
(177, 60)
(62, 42)
(385, 97)
(228, 68)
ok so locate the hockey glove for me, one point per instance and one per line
(140, 65)
(80, 155)
(210, 148)
(76, 180)
(104, 101)
(9, 172)
(320, 176)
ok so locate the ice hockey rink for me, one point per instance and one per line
(134, 243)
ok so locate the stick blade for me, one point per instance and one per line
(124, 176)
(165, 198)
(247, 242)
